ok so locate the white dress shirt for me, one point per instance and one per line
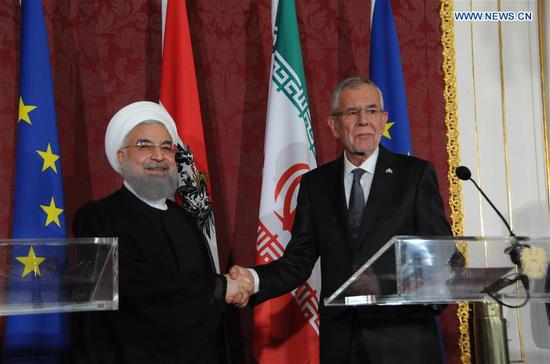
(366, 179)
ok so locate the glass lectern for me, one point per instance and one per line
(420, 270)
(58, 275)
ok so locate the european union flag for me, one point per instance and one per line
(385, 71)
(38, 205)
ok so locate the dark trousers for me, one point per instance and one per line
(395, 339)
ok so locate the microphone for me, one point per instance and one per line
(514, 251)
(463, 173)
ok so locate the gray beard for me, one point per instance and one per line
(151, 188)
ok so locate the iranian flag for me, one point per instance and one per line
(179, 95)
(286, 329)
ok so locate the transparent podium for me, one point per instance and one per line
(58, 275)
(421, 270)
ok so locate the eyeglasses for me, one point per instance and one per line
(145, 146)
(355, 112)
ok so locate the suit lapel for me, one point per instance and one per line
(176, 213)
(170, 220)
(336, 183)
(382, 183)
(148, 218)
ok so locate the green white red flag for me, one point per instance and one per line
(286, 329)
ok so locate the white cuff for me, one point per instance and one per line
(256, 280)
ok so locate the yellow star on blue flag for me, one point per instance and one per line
(386, 132)
(31, 263)
(49, 158)
(52, 213)
(24, 111)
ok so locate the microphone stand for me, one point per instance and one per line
(514, 250)
(490, 338)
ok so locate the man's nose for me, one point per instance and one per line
(363, 119)
(157, 153)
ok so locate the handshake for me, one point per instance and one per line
(240, 285)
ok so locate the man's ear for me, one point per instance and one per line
(385, 116)
(334, 126)
(120, 157)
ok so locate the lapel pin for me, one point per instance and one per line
(389, 170)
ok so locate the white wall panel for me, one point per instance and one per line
(502, 141)
(467, 117)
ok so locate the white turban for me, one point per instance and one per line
(127, 119)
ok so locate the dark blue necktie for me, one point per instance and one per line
(356, 205)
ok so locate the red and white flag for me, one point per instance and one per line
(286, 329)
(179, 95)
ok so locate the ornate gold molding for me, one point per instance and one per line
(453, 152)
(543, 89)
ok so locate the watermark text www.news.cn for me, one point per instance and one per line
(493, 16)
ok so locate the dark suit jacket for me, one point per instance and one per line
(404, 200)
(171, 300)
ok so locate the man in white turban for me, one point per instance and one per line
(171, 299)
(148, 171)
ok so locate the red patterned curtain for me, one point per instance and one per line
(106, 54)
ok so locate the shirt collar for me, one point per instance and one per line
(157, 204)
(368, 165)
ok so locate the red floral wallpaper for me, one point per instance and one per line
(106, 54)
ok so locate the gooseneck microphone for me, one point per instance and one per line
(514, 250)
(464, 174)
